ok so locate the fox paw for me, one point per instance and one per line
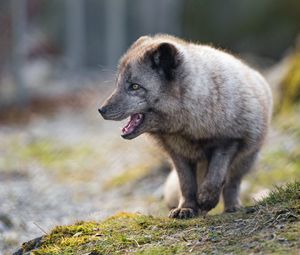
(232, 209)
(208, 198)
(183, 213)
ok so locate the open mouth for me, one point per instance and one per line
(134, 122)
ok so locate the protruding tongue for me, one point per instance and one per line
(133, 123)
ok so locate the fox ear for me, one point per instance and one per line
(165, 58)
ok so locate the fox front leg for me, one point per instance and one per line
(211, 188)
(187, 207)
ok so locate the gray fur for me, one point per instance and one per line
(207, 109)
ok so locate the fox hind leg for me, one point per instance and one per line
(231, 189)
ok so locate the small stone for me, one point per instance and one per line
(154, 228)
(249, 210)
(238, 220)
(281, 239)
(280, 226)
(215, 239)
(272, 236)
(77, 234)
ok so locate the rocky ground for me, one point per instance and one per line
(67, 164)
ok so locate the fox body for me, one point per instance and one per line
(207, 109)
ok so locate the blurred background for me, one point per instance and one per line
(60, 162)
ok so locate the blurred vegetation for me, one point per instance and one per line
(265, 28)
(66, 162)
(132, 174)
(290, 85)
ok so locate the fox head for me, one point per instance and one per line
(148, 88)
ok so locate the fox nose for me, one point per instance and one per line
(102, 111)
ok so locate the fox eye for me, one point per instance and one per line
(134, 86)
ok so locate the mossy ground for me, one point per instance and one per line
(271, 226)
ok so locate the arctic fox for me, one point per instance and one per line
(206, 108)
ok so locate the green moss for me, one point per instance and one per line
(270, 227)
(160, 249)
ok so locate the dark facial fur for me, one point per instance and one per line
(154, 68)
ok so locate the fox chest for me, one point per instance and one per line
(184, 147)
